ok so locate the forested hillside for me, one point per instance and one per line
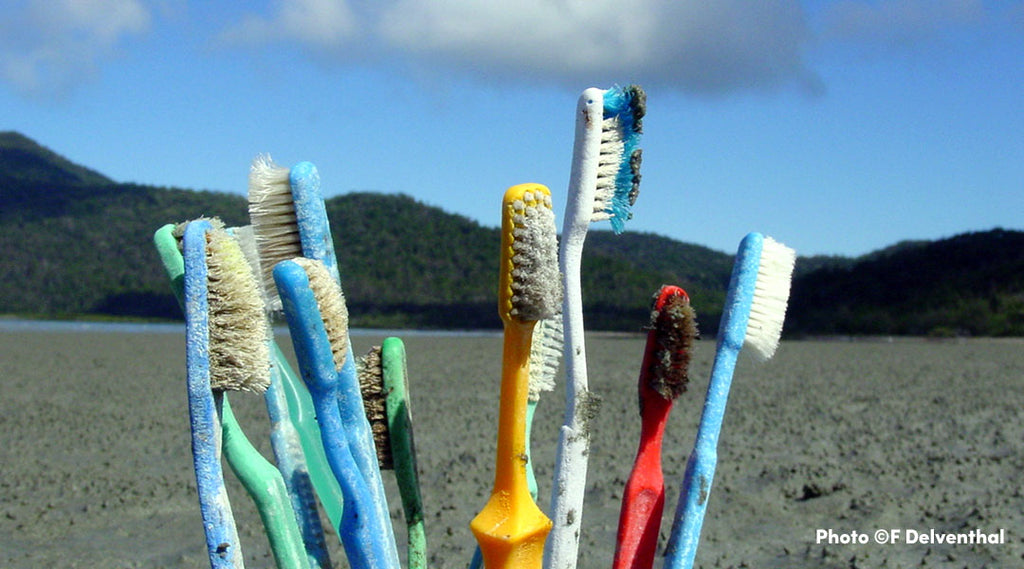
(76, 243)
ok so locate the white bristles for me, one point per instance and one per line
(771, 296)
(536, 284)
(545, 355)
(331, 302)
(238, 329)
(608, 164)
(272, 213)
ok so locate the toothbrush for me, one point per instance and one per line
(220, 356)
(511, 528)
(755, 308)
(384, 379)
(276, 236)
(603, 184)
(286, 220)
(545, 357)
(318, 321)
(663, 377)
(285, 437)
(264, 483)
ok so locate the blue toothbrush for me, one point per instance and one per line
(315, 328)
(204, 414)
(754, 310)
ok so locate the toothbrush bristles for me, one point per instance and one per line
(371, 384)
(272, 213)
(771, 296)
(618, 170)
(331, 301)
(545, 355)
(536, 285)
(674, 324)
(238, 329)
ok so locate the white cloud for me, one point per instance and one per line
(320, 24)
(48, 46)
(690, 45)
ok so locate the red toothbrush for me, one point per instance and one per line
(663, 377)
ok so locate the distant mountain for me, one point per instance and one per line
(76, 243)
(968, 284)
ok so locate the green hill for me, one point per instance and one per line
(77, 243)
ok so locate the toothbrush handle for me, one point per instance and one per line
(643, 499)
(364, 546)
(572, 454)
(266, 486)
(294, 472)
(403, 448)
(511, 528)
(531, 480)
(352, 414)
(693, 502)
(700, 467)
(300, 407)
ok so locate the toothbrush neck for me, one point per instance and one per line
(511, 451)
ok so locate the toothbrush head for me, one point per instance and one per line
(673, 329)
(618, 171)
(238, 352)
(529, 281)
(274, 220)
(545, 355)
(371, 384)
(331, 302)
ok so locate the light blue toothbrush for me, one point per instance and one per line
(264, 482)
(204, 414)
(315, 327)
(754, 310)
(317, 243)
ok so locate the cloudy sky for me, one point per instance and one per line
(836, 126)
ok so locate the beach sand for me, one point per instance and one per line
(95, 467)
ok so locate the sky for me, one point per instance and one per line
(835, 126)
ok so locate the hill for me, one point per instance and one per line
(77, 243)
(970, 284)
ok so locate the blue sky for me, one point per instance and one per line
(838, 127)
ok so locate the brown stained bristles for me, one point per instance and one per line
(637, 105)
(675, 327)
(371, 384)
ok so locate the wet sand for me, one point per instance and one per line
(95, 467)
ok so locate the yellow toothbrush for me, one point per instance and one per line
(511, 528)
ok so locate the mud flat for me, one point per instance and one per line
(95, 468)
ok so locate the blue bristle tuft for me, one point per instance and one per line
(628, 105)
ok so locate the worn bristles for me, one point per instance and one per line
(272, 213)
(239, 355)
(771, 295)
(545, 355)
(536, 285)
(371, 385)
(675, 328)
(331, 302)
(618, 176)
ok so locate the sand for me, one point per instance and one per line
(95, 468)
